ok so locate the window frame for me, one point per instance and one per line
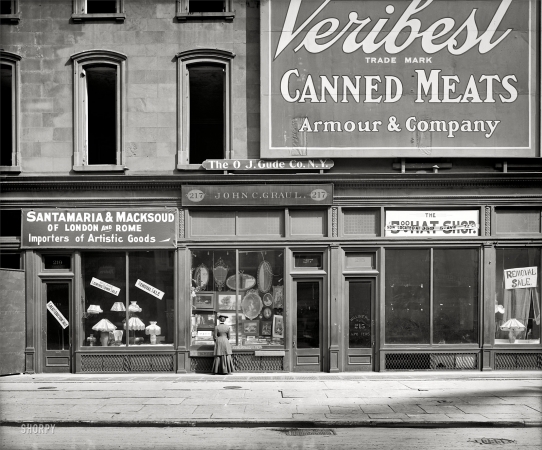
(12, 60)
(184, 60)
(79, 16)
(15, 15)
(183, 12)
(80, 61)
(432, 344)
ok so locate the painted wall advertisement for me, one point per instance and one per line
(399, 78)
(99, 228)
(433, 223)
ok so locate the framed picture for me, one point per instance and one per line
(204, 300)
(266, 327)
(226, 301)
(251, 327)
(278, 326)
(205, 321)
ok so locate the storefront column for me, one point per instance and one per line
(334, 310)
(184, 309)
(31, 309)
(488, 310)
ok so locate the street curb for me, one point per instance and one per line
(277, 424)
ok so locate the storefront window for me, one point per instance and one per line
(253, 300)
(517, 297)
(455, 293)
(147, 305)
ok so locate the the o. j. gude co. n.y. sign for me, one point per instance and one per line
(401, 78)
(99, 227)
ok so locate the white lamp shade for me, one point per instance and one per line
(104, 325)
(135, 324)
(512, 325)
(118, 306)
(153, 329)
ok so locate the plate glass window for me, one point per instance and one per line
(7, 113)
(206, 5)
(101, 6)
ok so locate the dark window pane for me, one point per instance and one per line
(515, 299)
(407, 296)
(207, 137)
(10, 260)
(308, 314)
(359, 314)
(101, 111)
(10, 223)
(108, 271)
(6, 7)
(101, 6)
(206, 6)
(58, 338)
(6, 114)
(155, 270)
(455, 296)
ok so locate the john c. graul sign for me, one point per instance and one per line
(399, 78)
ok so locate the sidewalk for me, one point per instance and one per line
(413, 399)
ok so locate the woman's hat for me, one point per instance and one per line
(222, 315)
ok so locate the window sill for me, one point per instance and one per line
(14, 18)
(190, 167)
(118, 17)
(205, 15)
(11, 169)
(100, 168)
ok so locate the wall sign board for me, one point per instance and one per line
(99, 228)
(260, 164)
(432, 223)
(257, 195)
(399, 78)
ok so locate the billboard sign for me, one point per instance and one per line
(399, 78)
(432, 223)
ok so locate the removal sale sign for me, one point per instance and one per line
(399, 78)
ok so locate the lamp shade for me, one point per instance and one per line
(104, 325)
(134, 307)
(94, 309)
(135, 324)
(118, 306)
(153, 329)
(512, 325)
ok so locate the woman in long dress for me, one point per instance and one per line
(223, 363)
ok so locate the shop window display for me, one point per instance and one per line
(246, 286)
(517, 296)
(117, 316)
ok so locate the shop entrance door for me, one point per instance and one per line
(307, 324)
(56, 328)
(359, 340)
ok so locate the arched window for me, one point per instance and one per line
(205, 106)
(99, 103)
(10, 113)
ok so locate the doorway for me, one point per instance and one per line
(359, 340)
(56, 331)
(307, 326)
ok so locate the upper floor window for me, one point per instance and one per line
(202, 9)
(99, 87)
(9, 113)
(98, 9)
(9, 11)
(205, 119)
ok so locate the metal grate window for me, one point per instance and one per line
(213, 223)
(242, 362)
(307, 223)
(431, 361)
(260, 223)
(518, 361)
(361, 221)
(518, 221)
(127, 363)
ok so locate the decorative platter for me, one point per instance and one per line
(251, 304)
(268, 299)
(246, 282)
(265, 276)
(201, 276)
(267, 313)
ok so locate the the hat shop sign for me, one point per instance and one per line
(99, 228)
